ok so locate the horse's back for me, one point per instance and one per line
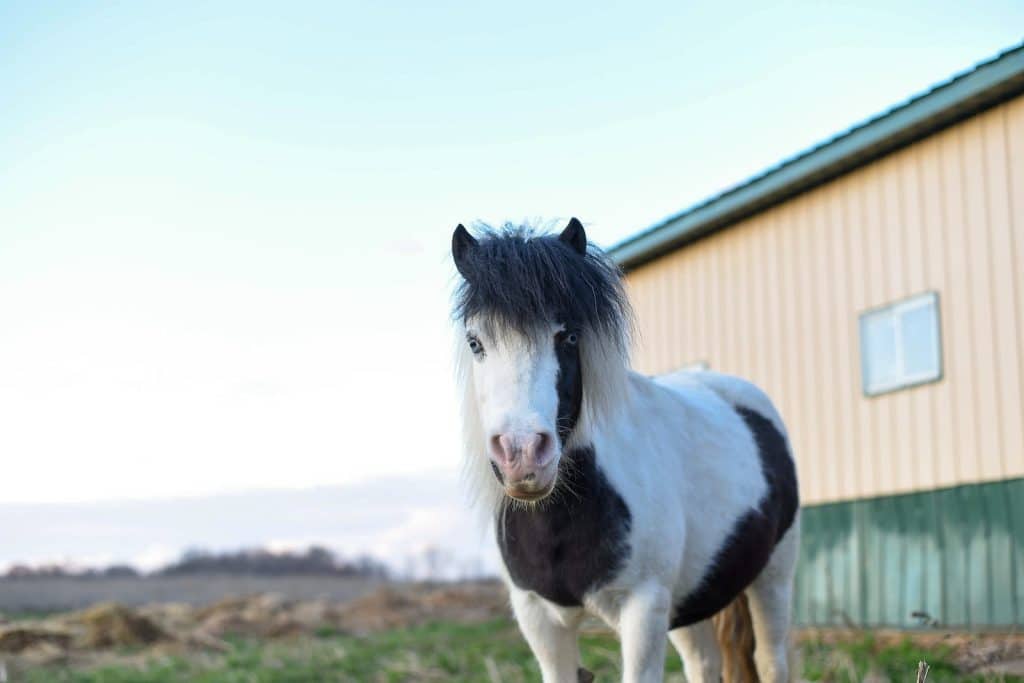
(736, 391)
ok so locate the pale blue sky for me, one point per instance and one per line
(224, 228)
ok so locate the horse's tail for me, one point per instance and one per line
(735, 634)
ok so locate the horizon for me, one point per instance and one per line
(393, 519)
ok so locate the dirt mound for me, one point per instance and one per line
(261, 616)
(385, 609)
(110, 625)
(474, 602)
(172, 617)
(100, 628)
(16, 639)
(390, 608)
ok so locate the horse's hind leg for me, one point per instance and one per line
(698, 648)
(771, 599)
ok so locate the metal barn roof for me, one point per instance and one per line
(968, 93)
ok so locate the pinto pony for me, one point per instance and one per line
(652, 503)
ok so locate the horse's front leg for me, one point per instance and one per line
(551, 633)
(643, 629)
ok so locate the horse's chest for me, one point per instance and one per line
(571, 543)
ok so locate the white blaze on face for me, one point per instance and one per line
(515, 380)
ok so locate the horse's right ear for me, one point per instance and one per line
(462, 244)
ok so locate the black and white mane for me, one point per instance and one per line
(516, 277)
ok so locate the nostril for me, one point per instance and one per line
(543, 448)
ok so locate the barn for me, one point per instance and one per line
(874, 286)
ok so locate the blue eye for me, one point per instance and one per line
(474, 345)
(571, 338)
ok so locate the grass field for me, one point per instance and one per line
(491, 651)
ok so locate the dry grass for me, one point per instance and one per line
(410, 633)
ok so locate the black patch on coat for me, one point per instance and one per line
(569, 384)
(749, 547)
(515, 279)
(572, 542)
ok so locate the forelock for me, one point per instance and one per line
(517, 279)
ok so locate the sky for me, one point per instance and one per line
(224, 227)
(394, 519)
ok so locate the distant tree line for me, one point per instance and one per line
(315, 561)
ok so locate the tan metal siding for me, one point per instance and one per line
(776, 299)
(1013, 133)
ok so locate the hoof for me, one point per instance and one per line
(584, 676)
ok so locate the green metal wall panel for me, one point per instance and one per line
(956, 554)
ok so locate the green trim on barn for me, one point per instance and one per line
(955, 554)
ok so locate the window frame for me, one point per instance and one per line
(898, 308)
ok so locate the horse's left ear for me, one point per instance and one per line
(575, 237)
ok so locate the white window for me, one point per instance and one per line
(899, 344)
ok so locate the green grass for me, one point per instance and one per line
(854, 661)
(462, 653)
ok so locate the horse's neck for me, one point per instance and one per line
(626, 410)
(648, 414)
